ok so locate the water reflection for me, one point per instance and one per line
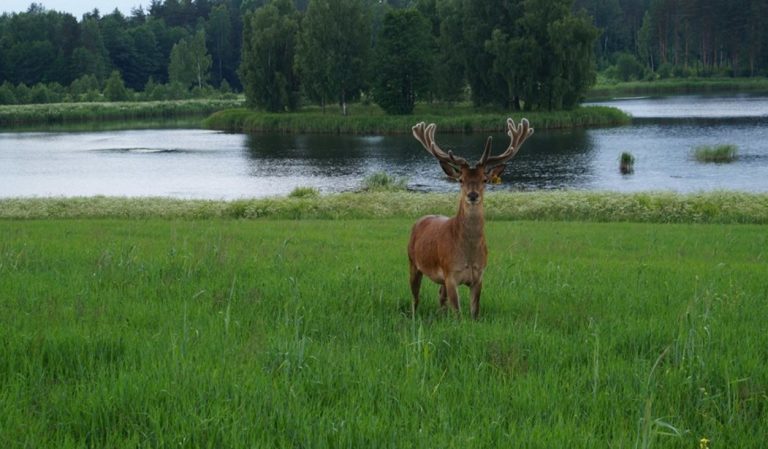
(554, 159)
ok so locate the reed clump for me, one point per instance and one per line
(719, 154)
(626, 163)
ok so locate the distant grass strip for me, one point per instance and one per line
(719, 154)
(679, 86)
(298, 334)
(661, 207)
(370, 120)
(66, 113)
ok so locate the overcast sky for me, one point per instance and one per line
(75, 7)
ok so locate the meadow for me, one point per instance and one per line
(183, 331)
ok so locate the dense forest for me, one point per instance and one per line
(532, 54)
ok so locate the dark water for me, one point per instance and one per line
(195, 163)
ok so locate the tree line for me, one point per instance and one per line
(515, 54)
(649, 39)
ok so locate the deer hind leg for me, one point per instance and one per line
(475, 302)
(416, 276)
(443, 295)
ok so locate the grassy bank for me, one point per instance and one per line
(713, 207)
(76, 113)
(678, 86)
(235, 333)
(370, 120)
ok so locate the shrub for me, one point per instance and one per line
(715, 153)
(114, 89)
(628, 67)
(7, 94)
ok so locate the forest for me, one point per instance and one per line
(516, 54)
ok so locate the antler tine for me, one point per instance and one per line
(518, 134)
(486, 151)
(426, 136)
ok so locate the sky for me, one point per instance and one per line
(75, 7)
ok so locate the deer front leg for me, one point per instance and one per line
(475, 302)
(443, 295)
(452, 292)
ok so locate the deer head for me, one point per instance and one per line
(474, 177)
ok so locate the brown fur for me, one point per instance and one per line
(452, 251)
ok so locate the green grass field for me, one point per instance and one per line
(282, 333)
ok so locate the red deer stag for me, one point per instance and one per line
(452, 251)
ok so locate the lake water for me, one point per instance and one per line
(194, 163)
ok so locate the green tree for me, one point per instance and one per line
(91, 57)
(479, 21)
(449, 73)
(267, 68)
(536, 54)
(114, 88)
(572, 39)
(402, 65)
(333, 50)
(190, 63)
(219, 32)
(645, 42)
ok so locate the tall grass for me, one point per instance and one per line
(656, 207)
(210, 333)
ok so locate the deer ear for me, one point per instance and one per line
(452, 172)
(494, 174)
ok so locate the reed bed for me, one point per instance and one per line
(648, 207)
(677, 86)
(68, 113)
(370, 120)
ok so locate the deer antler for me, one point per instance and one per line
(425, 134)
(518, 134)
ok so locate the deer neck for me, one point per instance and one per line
(469, 223)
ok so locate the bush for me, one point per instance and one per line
(665, 70)
(39, 94)
(114, 89)
(628, 67)
(716, 153)
(7, 94)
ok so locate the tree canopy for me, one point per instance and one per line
(514, 54)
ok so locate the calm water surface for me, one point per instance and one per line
(207, 164)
